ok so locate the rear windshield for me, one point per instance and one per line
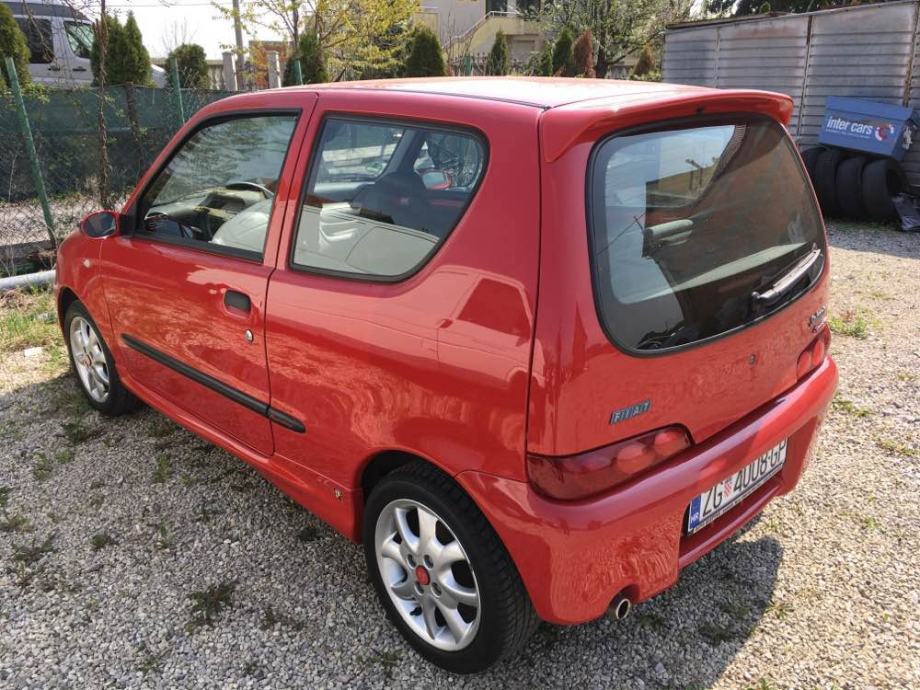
(699, 230)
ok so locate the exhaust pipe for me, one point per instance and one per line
(619, 607)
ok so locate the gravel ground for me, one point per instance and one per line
(112, 532)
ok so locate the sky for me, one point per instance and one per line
(163, 21)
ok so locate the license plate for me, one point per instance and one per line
(713, 503)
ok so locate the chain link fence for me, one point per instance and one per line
(82, 170)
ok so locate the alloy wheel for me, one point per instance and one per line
(427, 574)
(89, 359)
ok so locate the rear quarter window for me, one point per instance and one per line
(688, 222)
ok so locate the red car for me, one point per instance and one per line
(538, 344)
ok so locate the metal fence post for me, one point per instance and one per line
(298, 72)
(177, 87)
(30, 150)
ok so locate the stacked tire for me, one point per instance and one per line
(853, 185)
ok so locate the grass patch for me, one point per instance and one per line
(906, 376)
(14, 523)
(896, 448)
(160, 427)
(100, 540)
(5, 492)
(165, 539)
(43, 467)
(851, 324)
(780, 609)
(150, 661)
(207, 604)
(848, 407)
(27, 555)
(27, 319)
(164, 469)
(387, 660)
(64, 455)
(77, 431)
(716, 634)
(868, 523)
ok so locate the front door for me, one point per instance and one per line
(186, 289)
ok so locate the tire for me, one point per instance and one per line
(849, 187)
(881, 180)
(810, 158)
(92, 362)
(502, 619)
(825, 180)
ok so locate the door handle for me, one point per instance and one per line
(237, 300)
(78, 69)
(54, 68)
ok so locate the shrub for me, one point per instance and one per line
(423, 55)
(12, 45)
(312, 63)
(645, 64)
(191, 64)
(564, 55)
(583, 53)
(499, 61)
(126, 58)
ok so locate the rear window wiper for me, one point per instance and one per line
(787, 280)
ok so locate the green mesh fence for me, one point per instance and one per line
(65, 128)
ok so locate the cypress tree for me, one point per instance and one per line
(564, 55)
(312, 63)
(135, 63)
(423, 55)
(583, 52)
(499, 62)
(12, 44)
(192, 65)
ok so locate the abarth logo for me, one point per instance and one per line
(625, 413)
(816, 320)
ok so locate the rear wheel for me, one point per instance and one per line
(93, 363)
(441, 573)
(881, 180)
(849, 187)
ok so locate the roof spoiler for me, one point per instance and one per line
(565, 126)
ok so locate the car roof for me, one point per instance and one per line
(539, 92)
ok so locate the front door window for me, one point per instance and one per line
(217, 191)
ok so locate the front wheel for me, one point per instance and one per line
(441, 572)
(93, 363)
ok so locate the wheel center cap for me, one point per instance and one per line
(421, 574)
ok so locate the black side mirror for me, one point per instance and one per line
(100, 224)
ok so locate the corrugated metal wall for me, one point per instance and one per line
(862, 51)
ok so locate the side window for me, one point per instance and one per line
(219, 187)
(38, 38)
(382, 196)
(80, 38)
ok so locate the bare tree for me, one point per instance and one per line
(177, 34)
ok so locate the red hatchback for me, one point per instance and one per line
(538, 344)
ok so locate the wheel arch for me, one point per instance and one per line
(66, 297)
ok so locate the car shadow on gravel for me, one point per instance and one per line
(686, 637)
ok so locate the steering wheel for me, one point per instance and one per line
(185, 229)
(245, 184)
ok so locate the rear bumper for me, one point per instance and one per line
(575, 558)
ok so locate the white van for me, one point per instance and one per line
(60, 39)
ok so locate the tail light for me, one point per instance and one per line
(579, 476)
(814, 354)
